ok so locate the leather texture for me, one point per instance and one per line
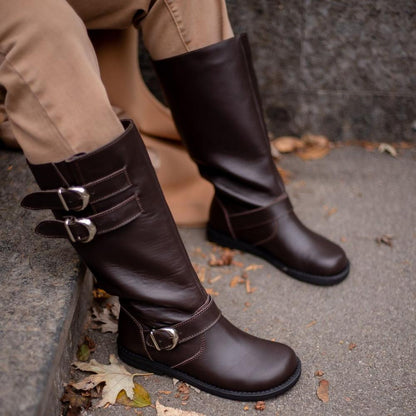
(215, 102)
(166, 315)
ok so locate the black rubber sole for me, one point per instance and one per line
(145, 364)
(224, 240)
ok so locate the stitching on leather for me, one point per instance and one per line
(202, 330)
(128, 220)
(259, 209)
(137, 323)
(195, 356)
(173, 11)
(227, 218)
(265, 240)
(196, 315)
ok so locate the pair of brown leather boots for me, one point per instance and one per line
(108, 203)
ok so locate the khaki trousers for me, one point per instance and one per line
(55, 99)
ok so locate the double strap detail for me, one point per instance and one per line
(83, 230)
(169, 337)
(262, 215)
(77, 198)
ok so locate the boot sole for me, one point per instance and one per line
(224, 240)
(138, 361)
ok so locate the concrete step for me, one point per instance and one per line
(44, 296)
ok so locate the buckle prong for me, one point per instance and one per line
(85, 197)
(86, 222)
(172, 332)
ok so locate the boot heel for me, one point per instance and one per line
(138, 361)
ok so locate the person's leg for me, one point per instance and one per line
(55, 100)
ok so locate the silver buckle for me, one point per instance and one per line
(172, 332)
(87, 223)
(85, 197)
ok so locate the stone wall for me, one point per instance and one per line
(343, 68)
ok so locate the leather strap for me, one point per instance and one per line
(103, 222)
(163, 339)
(97, 191)
(263, 215)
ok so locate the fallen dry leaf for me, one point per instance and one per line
(287, 144)
(311, 323)
(323, 391)
(246, 408)
(249, 289)
(100, 293)
(352, 346)
(103, 321)
(141, 398)
(315, 147)
(74, 402)
(215, 279)
(114, 375)
(167, 392)
(386, 239)
(260, 405)
(330, 211)
(253, 267)
(236, 280)
(226, 258)
(387, 148)
(85, 349)
(170, 411)
(319, 373)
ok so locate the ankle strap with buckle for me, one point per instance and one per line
(168, 338)
(83, 230)
(77, 198)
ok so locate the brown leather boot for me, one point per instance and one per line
(109, 204)
(214, 99)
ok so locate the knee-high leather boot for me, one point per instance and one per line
(213, 95)
(108, 203)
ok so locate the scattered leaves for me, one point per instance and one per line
(182, 391)
(351, 346)
(170, 411)
(114, 375)
(315, 147)
(386, 239)
(236, 280)
(387, 148)
(323, 391)
(319, 373)
(226, 258)
(249, 289)
(260, 405)
(246, 408)
(74, 402)
(311, 323)
(215, 279)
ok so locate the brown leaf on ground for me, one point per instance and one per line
(249, 289)
(226, 258)
(323, 391)
(170, 411)
(287, 144)
(386, 239)
(253, 267)
(114, 375)
(245, 408)
(311, 323)
(351, 346)
(330, 211)
(74, 401)
(319, 373)
(315, 147)
(260, 405)
(237, 263)
(215, 279)
(211, 291)
(98, 293)
(387, 148)
(236, 280)
(167, 392)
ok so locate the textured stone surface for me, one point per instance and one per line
(343, 68)
(374, 308)
(39, 294)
